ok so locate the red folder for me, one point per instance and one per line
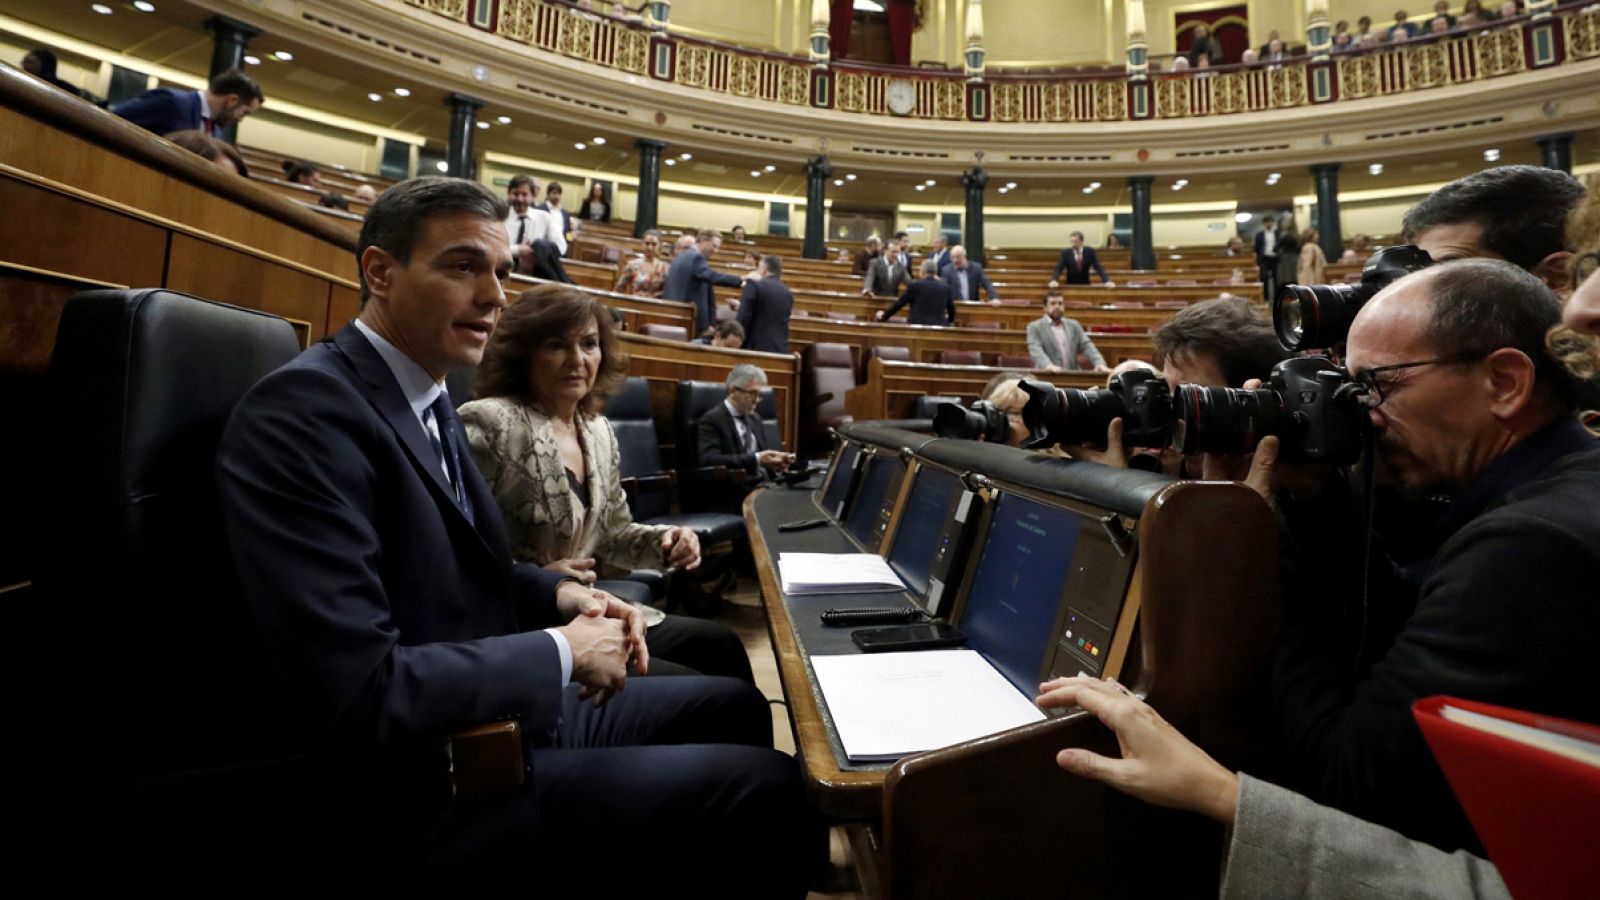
(1536, 811)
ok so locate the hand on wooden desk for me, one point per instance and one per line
(1158, 765)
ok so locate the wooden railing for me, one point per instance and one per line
(627, 45)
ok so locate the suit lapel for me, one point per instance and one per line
(390, 403)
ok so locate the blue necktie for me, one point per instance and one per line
(444, 418)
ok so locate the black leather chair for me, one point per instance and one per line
(827, 374)
(714, 487)
(166, 724)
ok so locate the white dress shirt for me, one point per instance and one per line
(420, 391)
(541, 227)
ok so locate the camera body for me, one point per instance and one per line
(1311, 404)
(1309, 316)
(984, 420)
(1140, 397)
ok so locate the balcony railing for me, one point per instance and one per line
(1491, 51)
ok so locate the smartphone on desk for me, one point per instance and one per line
(908, 637)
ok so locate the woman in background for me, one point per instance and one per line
(597, 206)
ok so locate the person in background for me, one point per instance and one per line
(226, 100)
(1288, 253)
(41, 64)
(644, 274)
(737, 234)
(302, 173)
(1056, 342)
(966, 278)
(597, 206)
(930, 299)
(207, 148)
(366, 193)
(870, 251)
(1402, 29)
(765, 306)
(727, 334)
(1312, 267)
(562, 218)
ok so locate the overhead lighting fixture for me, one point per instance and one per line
(101, 8)
(580, 146)
(1491, 155)
(402, 92)
(923, 187)
(504, 120)
(484, 125)
(144, 6)
(850, 178)
(838, 182)
(442, 166)
(769, 168)
(374, 96)
(686, 156)
(1242, 218)
(1274, 175)
(598, 141)
(284, 55)
(1088, 190)
(868, 5)
(930, 182)
(1012, 185)
(1375, 169)
(1177, 185)
(755, 173)
(671, 162)
(252, 60)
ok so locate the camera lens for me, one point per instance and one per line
(1229, 420)
(984, 420)
(1067, 415)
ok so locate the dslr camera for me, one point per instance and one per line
(984, 420)
(1141, 398)
(1309, 316)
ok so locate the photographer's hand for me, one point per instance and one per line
(1111, 455)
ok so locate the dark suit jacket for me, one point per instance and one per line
(932, 303)
(941, 259)
(565, 222)
(764, 311)
(975, 280)
(1078, 274)
(163, 110)
(388, 617)
(690, 279)
(884, 280)
(584, 212)
(718, 440)
(1261, 245)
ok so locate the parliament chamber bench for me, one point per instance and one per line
(1052, 567)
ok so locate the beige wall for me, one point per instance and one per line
(314, 141)
(1020, 32)
(84, 74)
(1190, 229)
(1375, 217)
(752, 23)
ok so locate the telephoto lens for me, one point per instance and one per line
(1069, 416)
(984, 420)
(1312, 405)
(1318, 316)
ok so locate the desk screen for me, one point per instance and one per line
(1016, 593)
(880, 481)
(922, 526)
(844, 472)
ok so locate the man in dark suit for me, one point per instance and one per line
(227, 100)
(1076, 261)
(690, 279)
(730, 434)
(563, 219)
(939, 251)
(377, 567)
(932, 302)
(966, 277)
(887, 274)
(1267, 256)
(765, 307)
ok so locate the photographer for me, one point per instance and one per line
(1515, 213)
(1493, 601)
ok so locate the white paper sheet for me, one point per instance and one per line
(836, 573)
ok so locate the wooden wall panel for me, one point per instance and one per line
(665, 363)
(44, 229)
(344, 304)
(220, 273)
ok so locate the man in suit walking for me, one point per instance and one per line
(765, 308)
(374, 559)
(887, 274)
(227, 99)
(939, 251)
(1267, 256)
(965, 278)
(1076, 261)
(1055, 341)
(931, 300)
(690, 279)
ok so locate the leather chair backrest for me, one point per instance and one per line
(828, 373)
(961, 357)
(156, 639)
(670, 332)
(695, 399)
(889, 352)
(638, 446)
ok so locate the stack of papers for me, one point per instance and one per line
(889, 705)
(836, 573)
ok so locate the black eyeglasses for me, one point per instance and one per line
(1369, 379)
(748, 392)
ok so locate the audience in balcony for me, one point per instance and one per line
(597, 206)
(1204, 44)
(1401, 29)
(643, 276)
(1441, 12)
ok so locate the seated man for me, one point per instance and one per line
(1467, 405)
(966, 278)
(1055, 342)
(730, 434)
(727, 333)
(377, 567)
(930, 298)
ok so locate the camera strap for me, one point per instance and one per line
(1369, 500)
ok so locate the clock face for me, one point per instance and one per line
(901, 96)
